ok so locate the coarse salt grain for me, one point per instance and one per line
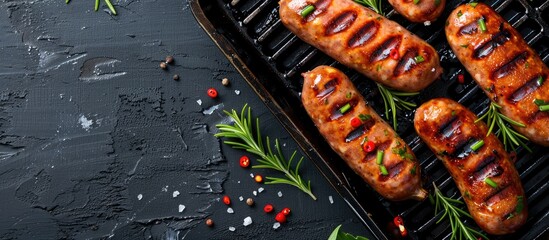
(331, 199)
(276, 225)
(139, 197)
(247, 221)
(237, 92)
(427, 23)
(175, 194)
(241, 198)
(260, 189)
(252, 175)
(279, 194)
(181, 207)
(199, 101)
(230, 210)
(232, 229)
(255, 193)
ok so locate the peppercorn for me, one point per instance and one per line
(250, 202)
(209, 222)
(175, 77)
(225, 82)
(169, 59)
(212, 92)
(163, 65)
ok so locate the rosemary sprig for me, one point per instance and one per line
(373, 4)
(392, 100)
(454, 214)
(511, 138)
(242, 129)
(96, 6)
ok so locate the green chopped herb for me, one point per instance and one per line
(378, 18)
(383, 170)
(489, 89)
(491, 182)
(413, 170)
(378, 67)
(416, 2)
(403, 153)
(473, 4)
(526, 65)
(325, 101)
(477, 145)
(437, 2)
(511, 215)
(364, 117)
(307, 10)
(520, 204)
(467, 194)
(365, 139)
(459, 13)
(447, 23)
(482, 25)
(398, 143)
(385, 132)
(539, 81)
(419, 59)
(345, 108)
(348, 95)
(544, 108)
(379, 157)
(453, 112)
(464, 45)
(539, 102)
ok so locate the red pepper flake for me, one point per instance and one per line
(394, 54)
(244, 161)
(461, 78)
(286, 211)
(400, 224)
(369, 146)
(355, 122)
(226, 200)
(280, 217)
(258, 178)
(212, 93)
(268, 208)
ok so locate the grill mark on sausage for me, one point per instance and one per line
(471, 28)
(462, 148)
(329, 88)
(528, 88)
(380, 146)
(497, 40)
(383, 50)
(510, 66)
(502, 193)
(448, 128)
(392, 171)
(406, 63)
(488, 167)
(361, 130)
(336, 113)
(340, 23)
(363, 34)
(536, 116)
(320, 7)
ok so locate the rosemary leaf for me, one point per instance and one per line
(511, 138)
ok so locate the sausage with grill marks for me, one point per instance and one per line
(365, 41)
(419, 10)
(503, 65)
(486, 177)
(332, 102)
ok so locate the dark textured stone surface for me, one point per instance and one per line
(89, 123)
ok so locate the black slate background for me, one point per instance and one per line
(88, 122)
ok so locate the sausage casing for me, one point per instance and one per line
(361, 39)
(326, 91)
(486, 178)
(503, 65)
(419, 10)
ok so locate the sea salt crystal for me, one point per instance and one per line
(232, 229)
(260, 189)
(139, 197)
(279, 194)
(181, 207)
(199, 101)
(331, 199)
(427, 23)
(241, 198)
(237, 92)
(230, 210)
(276, 225)
(252, 175)
(247, 221)
(255, 193)
(175, 194)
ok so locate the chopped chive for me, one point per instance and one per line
(437, 2)
(491, 182)
(416, 2)
(473, 4)
(307, 10)
(348, 95)
(111, 7)
(539, 81)
(364, 117)
(379, 157)
(464, 45)
(413, 170)
(544, 108)
(419, 59)
(539, 102)
(482, 25)
(96, 5)
(520, 204)
(345, 108)
(477, 145)
(364, 140)
(383, 170)
(459, 13)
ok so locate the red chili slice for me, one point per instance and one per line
(461, 78)
(268, 208)
(244, 161)
(226, 200)
(280, 217)
(212, 93)
(399, 222)
(369, 146)
(286, 211)
(355, 122)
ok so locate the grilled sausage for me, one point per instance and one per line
(486, 177)
(365, 41)
(503, 65)
(348, 123)
(419, 10)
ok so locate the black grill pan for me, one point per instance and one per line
(271, 59)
